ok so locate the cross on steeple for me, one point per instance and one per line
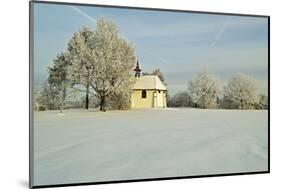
(137, 69)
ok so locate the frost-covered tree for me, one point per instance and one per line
(113, 61)
(241, 92)
(120, 98)
(262, 102)
(40, 102)
(204, 90)
(58, 80)
(36, 100)
(102, 60)
(80, 54)
(44, 98)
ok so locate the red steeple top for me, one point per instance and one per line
(137, 69)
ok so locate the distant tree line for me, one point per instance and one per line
(206, 91)
(98, 63)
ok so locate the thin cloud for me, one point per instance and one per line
(94, 21)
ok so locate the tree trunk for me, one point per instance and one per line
(87, 97)
(102, 104)
(241, 104)
(61, 107)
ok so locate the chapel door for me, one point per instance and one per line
(154, 100)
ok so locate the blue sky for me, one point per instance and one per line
(180, 44)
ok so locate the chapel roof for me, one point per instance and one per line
(149, 82)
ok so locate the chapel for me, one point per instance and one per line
(148, 91)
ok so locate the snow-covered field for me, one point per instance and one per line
(86, 146)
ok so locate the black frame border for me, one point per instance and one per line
(31, 64)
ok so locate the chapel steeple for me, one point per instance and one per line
(137, 69)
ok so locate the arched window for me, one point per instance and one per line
(143, 94)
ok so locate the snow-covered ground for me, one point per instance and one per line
(87, 146)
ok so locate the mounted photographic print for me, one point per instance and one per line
(124, 94)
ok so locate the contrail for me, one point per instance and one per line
(84, 14)
(153, 55)
(221, 31)
(94, 21)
